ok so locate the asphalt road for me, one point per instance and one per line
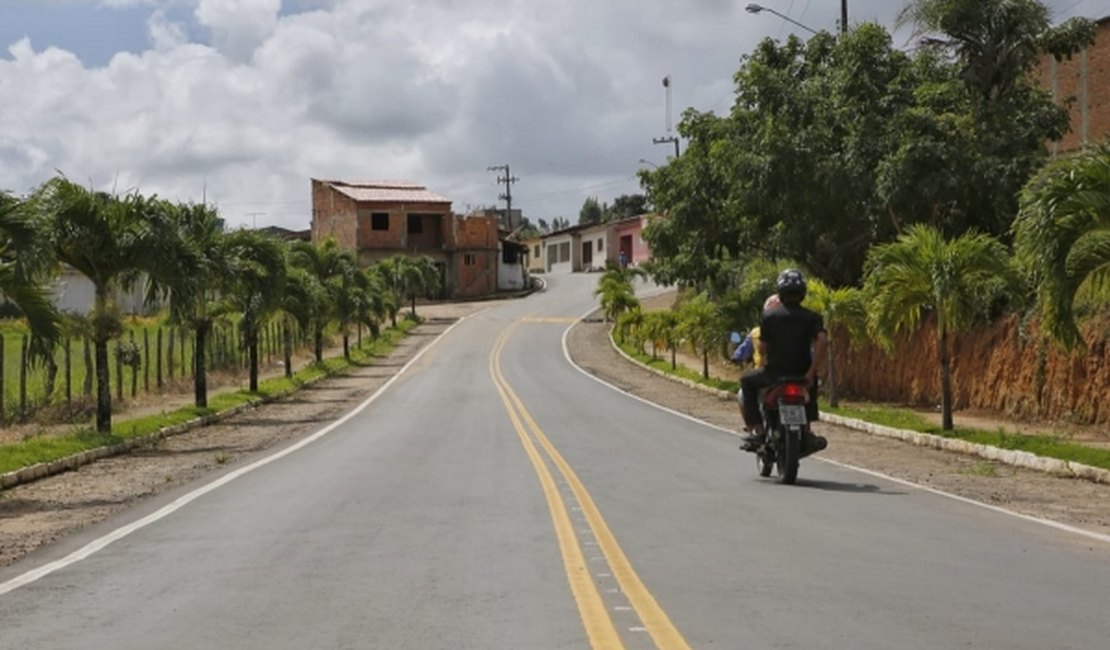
(495, 497)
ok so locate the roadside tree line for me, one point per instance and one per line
(905, 183)
(204, 273)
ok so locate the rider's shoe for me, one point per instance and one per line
(753, 441)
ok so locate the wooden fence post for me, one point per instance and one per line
(146, 360)
(68, 357)
(23, 376)
(134, 369)
(1, 377)
(158, 361)
(169, 353)
(119, 374)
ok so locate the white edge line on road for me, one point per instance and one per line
(1044, 522)
(118, 534)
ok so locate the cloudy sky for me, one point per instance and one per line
(243, 101)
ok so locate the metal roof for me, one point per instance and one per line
(387, 191)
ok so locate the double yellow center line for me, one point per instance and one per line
(600, 630)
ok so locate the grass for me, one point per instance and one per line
(44, 449)
(1050, 446)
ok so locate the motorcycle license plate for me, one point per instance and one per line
(792, 414)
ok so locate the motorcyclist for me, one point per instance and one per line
(793, 342)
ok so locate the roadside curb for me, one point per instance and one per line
(68, 463)
(1012, 457)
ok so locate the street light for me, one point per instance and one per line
(645, 161)
(755, 9)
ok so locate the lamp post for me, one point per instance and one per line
(645, 161)
(755, 9)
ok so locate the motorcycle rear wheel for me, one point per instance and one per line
(788, 456)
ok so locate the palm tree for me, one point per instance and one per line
(1062, 237)
(700, 324)
(108, 239)
(844, 308)
(300, 305)
(350, 301)
(415, 276)
(192, 278)
(615, 291)
(326, 263)
(959, 279)
(255, 286)
(23, 279)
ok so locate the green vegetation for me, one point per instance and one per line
(42, 449)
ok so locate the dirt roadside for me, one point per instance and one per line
(38, 513)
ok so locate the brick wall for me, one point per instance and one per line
(333, 215)
(1085, 80)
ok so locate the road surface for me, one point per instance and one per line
(493, 496)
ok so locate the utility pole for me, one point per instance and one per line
(254, 219)
(843, 16)
(668, 137)
(508, 179)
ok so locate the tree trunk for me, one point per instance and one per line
(705, 363)
(252, 352)
(200, 375)
(945, 381)
(346, 345)
(90, 369)
(674, 357)
(319, 341)
(834, 401)
(103, 389)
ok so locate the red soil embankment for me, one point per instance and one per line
(1005, 366)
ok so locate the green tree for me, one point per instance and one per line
(843, 308)
(1062, 238)
(591, 212)
(191, 276)
(108, 239)
(700, 325)
(662, 329)
(625, 206)
(302, 302)
(977, 131)
(615, 291)
(958, 279)
(255, 286)
(23, 272)
(412, 277)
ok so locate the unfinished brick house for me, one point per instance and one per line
(379, 219)
(1085, 81)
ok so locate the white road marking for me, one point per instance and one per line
(118, 534)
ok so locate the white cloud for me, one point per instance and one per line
(247, 102)
(238, 26)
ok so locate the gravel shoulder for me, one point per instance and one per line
(38, 513)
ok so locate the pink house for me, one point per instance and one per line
(627, 239)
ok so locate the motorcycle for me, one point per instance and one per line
(789, 437)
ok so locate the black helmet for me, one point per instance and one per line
(791, 285)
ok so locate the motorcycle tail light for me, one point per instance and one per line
(794, 391)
